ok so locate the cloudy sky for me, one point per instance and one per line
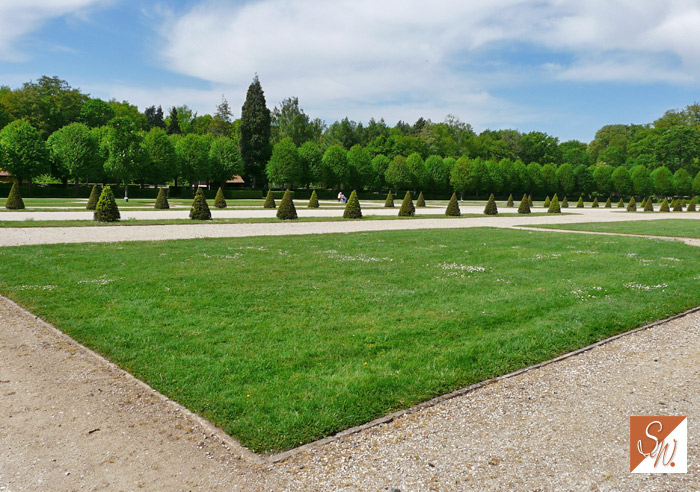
(559, 66)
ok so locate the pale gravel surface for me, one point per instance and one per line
(50, 235)
(560, 427)
(563, 426)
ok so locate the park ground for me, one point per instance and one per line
(75, 421)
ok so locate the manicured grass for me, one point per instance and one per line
(281, 341)
(664, 227)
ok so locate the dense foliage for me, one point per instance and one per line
(287, 210)
(200, 207)
(14, 199)
(352, 208)
(106, 209)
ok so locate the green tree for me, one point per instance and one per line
(335, 166)
(565, 178)
(398, 175)
(154, 116)
(221, 124)
(96, 112)
(584, 179)
(549, 178)
(534, 173)
(312, 162)
(380, 164)
(460, 177)
(438, 173)
(25, 154)
(641, 181)
(255, 131)
(540, 147)
(479, 176)
(224, 159)
(360, 168)
(603, 179)
(193, 156)
(161, 153)
(173, 122)
(682, 182)
(289, 120)
(416, 168)
(285, 165)
(74, 152)
(662, 181)
(127, 158)
(621, 181)
(696, 184)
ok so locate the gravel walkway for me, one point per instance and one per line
(51, 235)
(72, 421)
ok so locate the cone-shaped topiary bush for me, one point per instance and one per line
(632, 205)
(491, 208)
(664, 206)
(287, 210)
(683, 203)
(106, 209)
(407, 209)
(200, 207)
(554, 207)
(220, 199)
(595, 203)
(529, 200)
(313, 201)
(678, 206)
(565, 203)
(269, 200)
(579, 203)
(162, 200)
(421, 200)
(352, 208)
(14, 199)
(510, 202)
(524, 207)
(691, 205)
(389, 203)
(672, 203)
(648, 205)
(546, 202)
(608, 203)
(94, 196)
(621, 203)
(452, 209)
(644, 203)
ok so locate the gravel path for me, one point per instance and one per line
(72, 421)
(51, 235)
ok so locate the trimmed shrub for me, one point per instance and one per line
(269, 200)
(691, 205)
(683, 203)
(529, 200)
(407, 209)
(524, 207)
(554, 207)
(452, 209)
(287, 210)
(648, 205)
(595, 203)
(14, 199)
(621, 203)
(389, 203)
(491, 208)
(632, 205)
(162, 200)
(352, 208)
(565, 203)
(608, 203)
(510, 203)
(664, 206)
(579, 203)
(106, 209)
(421, 201)
(644, 203)
(220, 199)
(94, 196)
(678, 207)
(546, 202)
(313, 201)
(200, 207)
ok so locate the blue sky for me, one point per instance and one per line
(562, 67)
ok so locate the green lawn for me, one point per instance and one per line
(282, 341)
(665, 227)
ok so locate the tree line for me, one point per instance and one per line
(48, 128)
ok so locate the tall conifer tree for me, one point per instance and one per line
(255, 132)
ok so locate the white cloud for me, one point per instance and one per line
(19, 18)
(406, 58)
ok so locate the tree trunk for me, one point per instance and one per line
(76, 187)
(126, 192)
